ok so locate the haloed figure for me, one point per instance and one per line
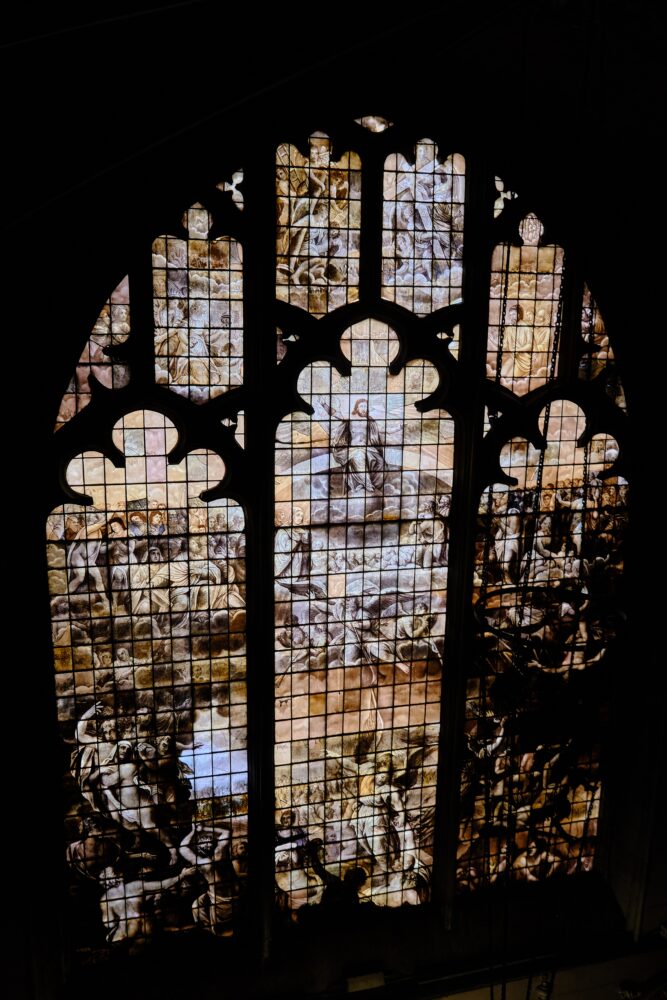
(358, 448)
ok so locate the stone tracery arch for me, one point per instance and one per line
(359, 475)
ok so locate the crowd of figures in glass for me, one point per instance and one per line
(147, 580)
(148, 611)
(422, 235)
(363, 492)
(198, 309)
(319, 220)
(546, 585)
(597, 360)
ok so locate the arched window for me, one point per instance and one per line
(334, 571)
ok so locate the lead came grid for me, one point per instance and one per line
(548, 560)
(148, 610)
(422, 237)
(198, 310)
(524, 310)
(319, 218)
(112, 328)
(363, 490)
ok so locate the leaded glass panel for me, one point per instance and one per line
(422, 238)
(198, 307)
(363, 492)
(319, 218)
(100, 358)
(148, 611)
(524, 310)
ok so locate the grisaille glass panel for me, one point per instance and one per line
(362, 506)
(422, 238)
(112, 328)
(598, 354)
(549, 558)
(198, 310)
(524, 311)
(319, 217)
(148, 616)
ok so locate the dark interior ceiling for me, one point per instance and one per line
(111, 110)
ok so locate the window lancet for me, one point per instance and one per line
(549, 556)
(597, 359)
(148, 612)
(319, 218)
(363, 492)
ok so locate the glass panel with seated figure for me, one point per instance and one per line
(422, 236)
(524, 310)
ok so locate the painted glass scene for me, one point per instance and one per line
(422, 237)
(148, 617)
(374, 123)
(546, 592)
(363, 488)
(147, 579)
(100, 359)
(198, 310)
(524, 310)
(598, 357)
(319, 218)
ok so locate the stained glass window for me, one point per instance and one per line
(423, 446)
